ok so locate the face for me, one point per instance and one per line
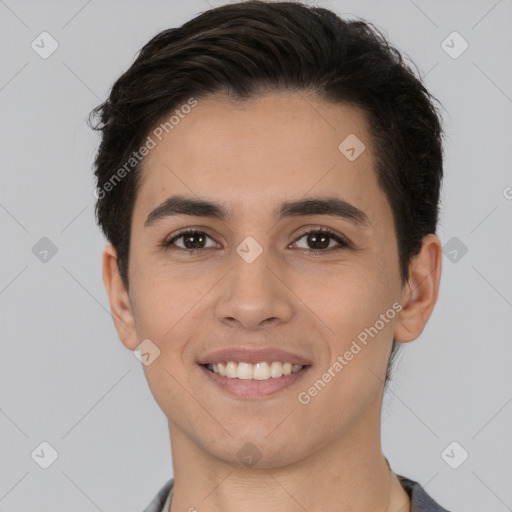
(272, 281)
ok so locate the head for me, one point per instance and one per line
(253, 105)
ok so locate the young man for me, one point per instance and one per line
(268, 181)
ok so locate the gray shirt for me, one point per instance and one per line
(420, 500)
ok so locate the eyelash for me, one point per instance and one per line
(343, 243)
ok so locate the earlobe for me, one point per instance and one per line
(421, 291)
(120, 305)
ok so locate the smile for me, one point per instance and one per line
(259, 371)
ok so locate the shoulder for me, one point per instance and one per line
(159, 500)
(420, 500)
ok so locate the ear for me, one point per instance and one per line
(420, 293)
(120, 304)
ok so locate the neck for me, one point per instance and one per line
(347, 474)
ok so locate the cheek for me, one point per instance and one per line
(360, 314)
(354, 297)
(161, 297)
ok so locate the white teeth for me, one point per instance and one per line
(258, 371)
(231, 369)
(261, 371)
(244, 371)
(276, 370)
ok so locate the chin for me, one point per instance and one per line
(256, 448)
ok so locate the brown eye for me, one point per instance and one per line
(192, 240)
(319, 240)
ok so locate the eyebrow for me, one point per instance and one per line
(331, 206)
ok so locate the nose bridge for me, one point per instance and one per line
(253, 291)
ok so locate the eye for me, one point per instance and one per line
(320, 238)
(193, 240)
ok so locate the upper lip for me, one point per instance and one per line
(252, 355)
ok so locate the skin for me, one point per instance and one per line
(325, 455)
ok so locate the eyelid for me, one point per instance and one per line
(342, 241)
(166, 244)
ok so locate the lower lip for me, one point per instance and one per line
(249, 388)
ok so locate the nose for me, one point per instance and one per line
(255, 293)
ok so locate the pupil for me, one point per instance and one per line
(314, 236)
(192, 236)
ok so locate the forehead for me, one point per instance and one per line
(258, 153)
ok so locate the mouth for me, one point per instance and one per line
(253, 373)
(259, 371)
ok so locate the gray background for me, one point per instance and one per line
(66, 379)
